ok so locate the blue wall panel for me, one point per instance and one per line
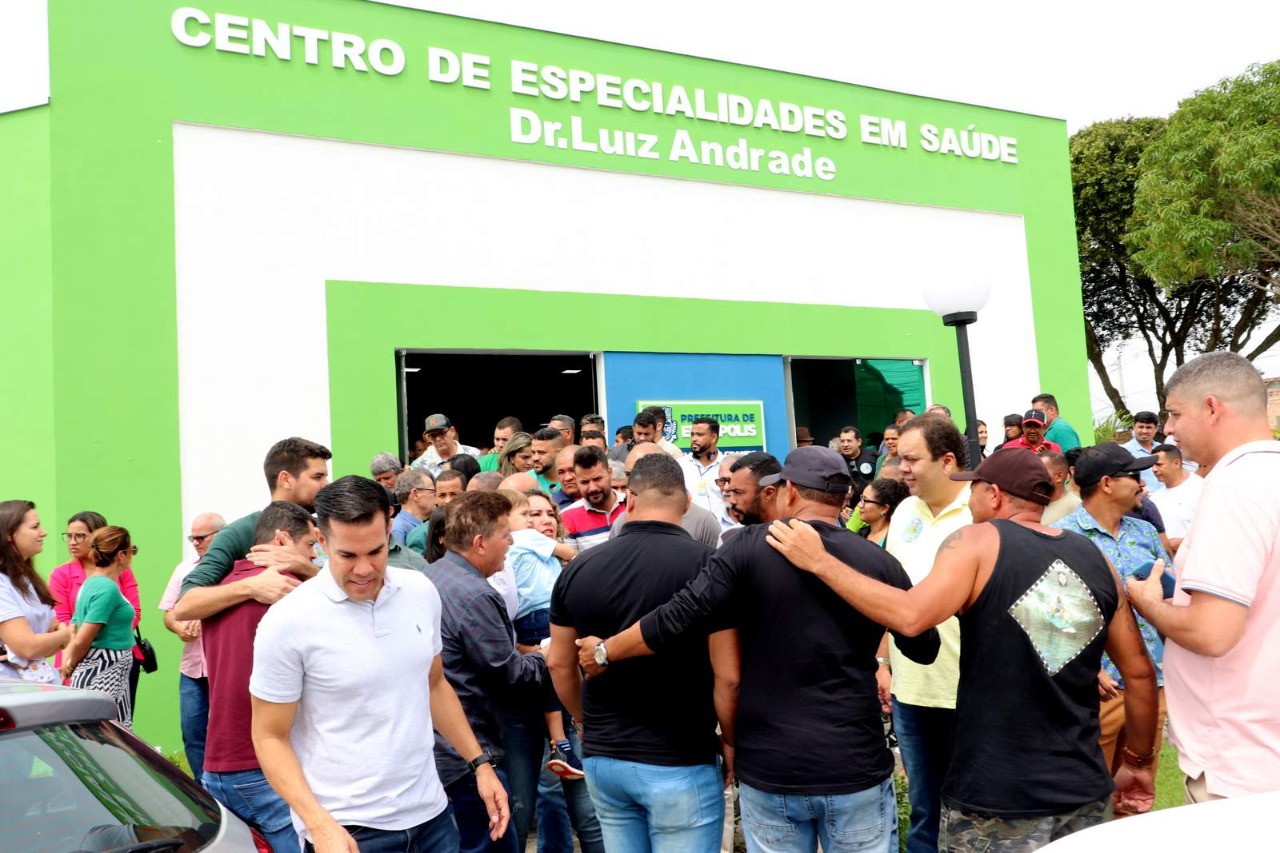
(632, 376)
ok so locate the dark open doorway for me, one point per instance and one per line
(830, 393)
(477, 389)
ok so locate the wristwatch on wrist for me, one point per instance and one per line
(882, 661)
(601, 655)
(1135, 760)
(482, 758)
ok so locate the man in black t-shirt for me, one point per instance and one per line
(861, 460)
(1037, 606)
(649, 736)
(810, 752)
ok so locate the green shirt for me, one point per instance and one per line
(1062, 434)
(416, 539)
(101, 602)
(405, 558)
(232, 543)
(489, 462)
(547, 486)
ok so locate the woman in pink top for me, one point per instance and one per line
(66, 580)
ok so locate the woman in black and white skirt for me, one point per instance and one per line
(101, 653)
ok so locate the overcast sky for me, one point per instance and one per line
(1084, 61)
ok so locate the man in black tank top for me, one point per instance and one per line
(1037, 608)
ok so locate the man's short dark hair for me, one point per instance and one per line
(282, 515)
(1047, 400)
(470, 515)
(594, 433)
(821, 496)
(1072, 455)
(292, 455)
(450, 474)
(893, 427)
(902, 412)
(644, 418)
(710, 422)
(941, 436)
(510, 423)
(592, 420)
(657, 476)
(1171, 449)
(658, 412)
(626, 432)
(759, 463)
(563, 419)
(857, 433)
(1057, 460)
(1145, 417)
(894, 461)
(351, 500)
(548, 434)
(590, 457)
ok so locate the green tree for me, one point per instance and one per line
(1207, 204)
(1121, 301)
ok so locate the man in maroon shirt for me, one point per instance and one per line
(231, 770)
(1033, 426)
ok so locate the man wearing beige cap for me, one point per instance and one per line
(442, 435)
(1036, 609)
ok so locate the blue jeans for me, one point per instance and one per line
(438, 835)
(472, 817)
(525, 739)
(249, 796)
(650, 808)
(193, 714)
(865, 821)
(924, 738)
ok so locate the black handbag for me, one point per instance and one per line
(149, 663)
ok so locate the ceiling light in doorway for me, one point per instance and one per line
(412, 369)
(572, 370)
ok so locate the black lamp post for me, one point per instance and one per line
(958, 306)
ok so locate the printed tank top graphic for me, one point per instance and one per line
(1059, 615)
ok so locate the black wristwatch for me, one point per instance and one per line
(482, 758)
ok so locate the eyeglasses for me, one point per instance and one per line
(426, 491)
(722, 481)
(74, 537)
(197, 539)
(869, 501)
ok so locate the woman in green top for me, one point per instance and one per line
(101, 653)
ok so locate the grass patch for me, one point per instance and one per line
(1169, 790)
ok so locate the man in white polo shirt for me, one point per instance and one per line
(1221, 656)
(924, 697)
(347, 685)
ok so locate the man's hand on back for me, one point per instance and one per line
(270, 586)
(283, 557)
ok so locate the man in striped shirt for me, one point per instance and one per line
(589, 520)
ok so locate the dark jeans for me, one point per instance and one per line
(532, 629)
(924, 738)
(525, 739)
(438, 835)
(472, 817)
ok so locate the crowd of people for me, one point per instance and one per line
(626, 642)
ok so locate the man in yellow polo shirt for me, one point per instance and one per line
(924, 697)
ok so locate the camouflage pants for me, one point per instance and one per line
(966, 832)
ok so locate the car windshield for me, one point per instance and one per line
(93, 787)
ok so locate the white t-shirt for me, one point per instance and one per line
(14, 605)
(1177, 505)
(358, 671)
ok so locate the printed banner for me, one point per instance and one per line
(741, 421)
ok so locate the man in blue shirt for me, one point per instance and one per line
(1108, 477)
(1143, 445)
(416, 494)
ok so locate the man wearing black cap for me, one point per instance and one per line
(442, 435)
(1032, 438)
(1036, 607)
(1109, 489)
(811, 757)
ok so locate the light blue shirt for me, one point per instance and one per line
(532, 558)
(1138, 543)
(402, 525)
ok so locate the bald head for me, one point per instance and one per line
(641, 450)
(519, 482)
(203, 528)
(485, 481)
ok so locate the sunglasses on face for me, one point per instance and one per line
(195, 539)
